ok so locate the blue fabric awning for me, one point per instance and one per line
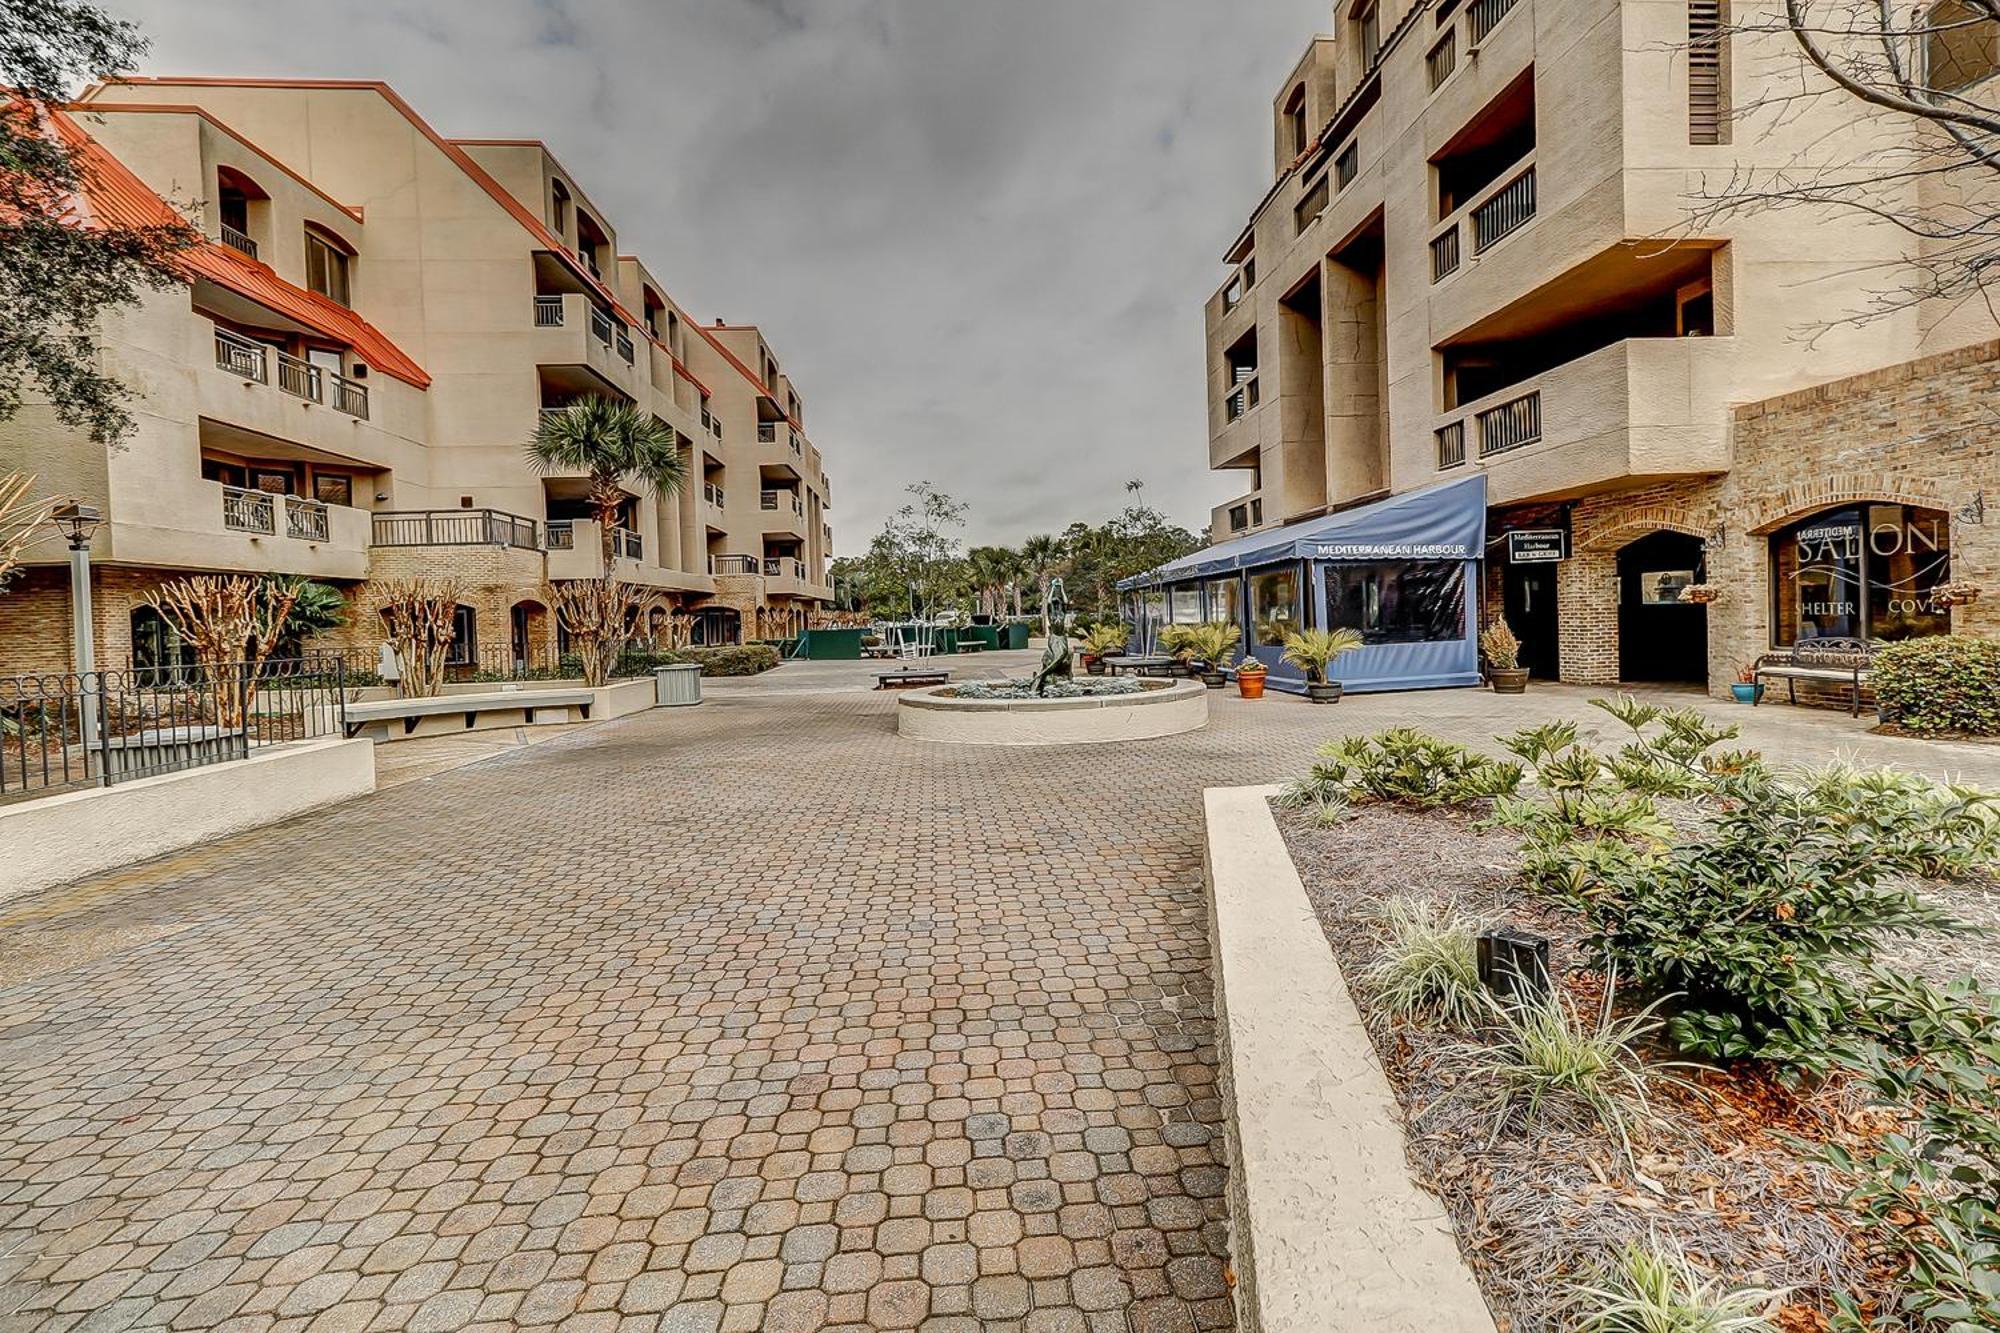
(1445, 522)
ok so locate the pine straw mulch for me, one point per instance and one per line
(1538, 1209)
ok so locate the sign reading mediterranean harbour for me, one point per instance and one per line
(1536, 546)
(1389, 551)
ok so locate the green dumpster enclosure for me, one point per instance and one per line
(829, 645)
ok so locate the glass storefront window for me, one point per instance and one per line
(1401, 601)
(1864, 571)
(1274, 606)
(1222, 603)
(1156, 616)
(1184, 605)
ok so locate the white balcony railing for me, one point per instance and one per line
(249, 511)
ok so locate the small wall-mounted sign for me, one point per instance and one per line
(1537, 546)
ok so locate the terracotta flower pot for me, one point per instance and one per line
(1252, 686)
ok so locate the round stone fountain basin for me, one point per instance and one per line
(934, 714)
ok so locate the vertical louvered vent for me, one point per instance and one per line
(1708, 72)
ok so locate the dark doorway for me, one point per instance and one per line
(1660, 637)
(1529, 599)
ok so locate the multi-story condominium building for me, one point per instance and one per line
(347, 384)
(1477, 257)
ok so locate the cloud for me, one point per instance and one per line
(978, 233)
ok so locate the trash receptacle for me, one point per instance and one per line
(676, 686)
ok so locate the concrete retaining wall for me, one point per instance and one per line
(60, 838)
(1328, 1228)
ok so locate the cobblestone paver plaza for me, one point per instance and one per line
(751, 1016)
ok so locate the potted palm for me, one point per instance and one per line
(1503, 659)
(1176, 641)
(1213, 643)
(1250, 675)
(1313, 651)
(1098, 642)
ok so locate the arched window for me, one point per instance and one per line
(1862, 571)
(328, 260)
(1961, 46)
(156, 647)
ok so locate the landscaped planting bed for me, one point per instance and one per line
(1762, 1087)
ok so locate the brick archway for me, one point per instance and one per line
(1587, 594)
(1607, 537)
(1806, 497)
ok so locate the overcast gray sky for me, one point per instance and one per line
(978, 233)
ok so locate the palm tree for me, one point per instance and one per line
(1041, 560)
(613, 442)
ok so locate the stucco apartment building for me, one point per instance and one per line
(1477, 256)
(346, 386)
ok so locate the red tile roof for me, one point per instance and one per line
(114, 193)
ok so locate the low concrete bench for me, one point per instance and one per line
(1832, 661)
(383, 712)
(890, 680)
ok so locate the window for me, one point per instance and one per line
(1961, 46)
(1222, 604)
(157, 647)
(1399, 601)
(1295, 120)
(1274, 606)
(1863, 571)
(333, 488)
(326, 266)
(1708, 72)
(558, 207)
(1368, 28)
(1311, 204)
(1346, 165)
(464, 650)
(1184, 605)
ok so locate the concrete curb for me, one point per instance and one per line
(1329, 1230)
(931, 715)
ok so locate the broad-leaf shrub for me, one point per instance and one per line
(1405, 767)
(1928, 1196)
(1941, 683)
(1752, 926)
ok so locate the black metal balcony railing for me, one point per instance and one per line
(1239, 402)
(733, 564)
(625, 349)
(1442, 59)
(349, 397)
(600, 326)
(1511, 206)
(1451, 444)
(249, 511)
(1482, 16)
(299, 378)
(237, 240)
(548, 312)
(456, 527)
(767, 432)
(241, 356)
(305, 520)
(1346, 165)
(784, 567)
(798, 445)
(1511, 425)
(1444, 254)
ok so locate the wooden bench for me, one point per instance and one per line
(1833, 661)
(896, 680)
(411, 711)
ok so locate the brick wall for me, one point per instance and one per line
(1923, 433)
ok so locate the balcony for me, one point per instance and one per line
(734, 564)
(253, 361)
(1491, 216)
(776, 501)
(305, 520)
(572, 337)
(576, 551)
(713, 495)
(1635, 410)
(767, 432)
(1241, 400)
(456, 527)
(249, 511)
(784, 573)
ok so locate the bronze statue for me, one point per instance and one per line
(1056, 656)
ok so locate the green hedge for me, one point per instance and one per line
(747, 660)
(1941, 683)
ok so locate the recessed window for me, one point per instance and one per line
(327, 263)
(1864, 571)
(1295, 120)
(1310, 205)
(1368, 29)
(558, 207)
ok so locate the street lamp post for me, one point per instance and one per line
(78, 523)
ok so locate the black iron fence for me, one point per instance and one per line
(62, 731)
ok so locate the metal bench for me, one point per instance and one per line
(411, 711)
(1832, 660)
(895, 680)
(1139, 665)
